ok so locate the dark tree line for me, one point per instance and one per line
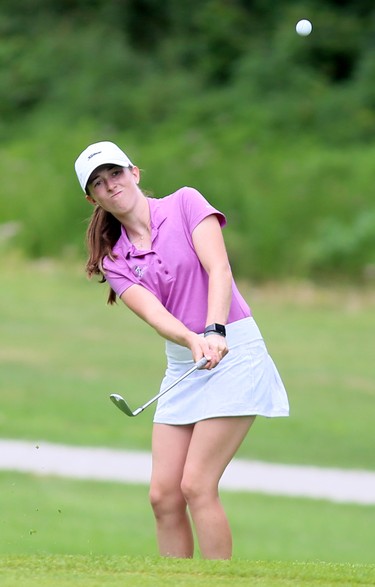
(141, 61)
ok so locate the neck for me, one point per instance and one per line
(138, 227)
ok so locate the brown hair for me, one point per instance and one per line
(103, 232)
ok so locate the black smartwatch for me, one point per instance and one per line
(215, 329)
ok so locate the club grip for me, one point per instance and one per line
(201, 363)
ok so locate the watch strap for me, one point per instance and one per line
(215, 329)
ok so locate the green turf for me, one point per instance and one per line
(62, 516)
(114, 571)
(63, 351)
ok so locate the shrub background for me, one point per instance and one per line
(275, 129)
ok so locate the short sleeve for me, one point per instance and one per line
(196, 208)
(117, 275)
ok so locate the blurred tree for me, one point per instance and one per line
(94, 56)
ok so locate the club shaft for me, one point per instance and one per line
(197, 365)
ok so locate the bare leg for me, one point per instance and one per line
(212, 446)
(169, 449)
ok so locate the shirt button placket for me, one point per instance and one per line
(160, 264)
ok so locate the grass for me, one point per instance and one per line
(46, 515)
(93, 571)
(66, 351)
(63, 351)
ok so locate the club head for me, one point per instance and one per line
(119, 401)
(121, 404)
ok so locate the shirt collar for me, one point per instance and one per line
(157, 215)
(158, 212)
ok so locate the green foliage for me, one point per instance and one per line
(100, 57)
(275, 129)
(344, 246)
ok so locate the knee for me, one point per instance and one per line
(166, 500)
(193, 489)
(157, 497)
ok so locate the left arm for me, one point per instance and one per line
(209, 245)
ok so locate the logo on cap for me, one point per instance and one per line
(93, 155)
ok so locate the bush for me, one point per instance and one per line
(275, 129)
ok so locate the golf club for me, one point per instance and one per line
(122, 405)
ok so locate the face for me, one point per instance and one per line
(113, 187)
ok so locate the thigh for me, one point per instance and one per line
(170, 445)
(213, 444)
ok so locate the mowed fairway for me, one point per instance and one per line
(63, 351)
(93, 571)
(50, 515)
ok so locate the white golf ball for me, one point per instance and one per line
(303, 27)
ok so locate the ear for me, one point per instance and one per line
(91, 200)
(136, 173)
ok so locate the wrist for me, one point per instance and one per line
(191, 339)
(215, 329)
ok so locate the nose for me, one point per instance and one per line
(111, 183)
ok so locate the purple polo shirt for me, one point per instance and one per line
(171, 270)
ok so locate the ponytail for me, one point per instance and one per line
(103, 232)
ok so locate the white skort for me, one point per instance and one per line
(245, 382)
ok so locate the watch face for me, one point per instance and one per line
(220, 328)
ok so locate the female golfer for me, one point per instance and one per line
(166, 259)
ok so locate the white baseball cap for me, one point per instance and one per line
(97, 154)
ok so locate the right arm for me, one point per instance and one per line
(147, 306)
